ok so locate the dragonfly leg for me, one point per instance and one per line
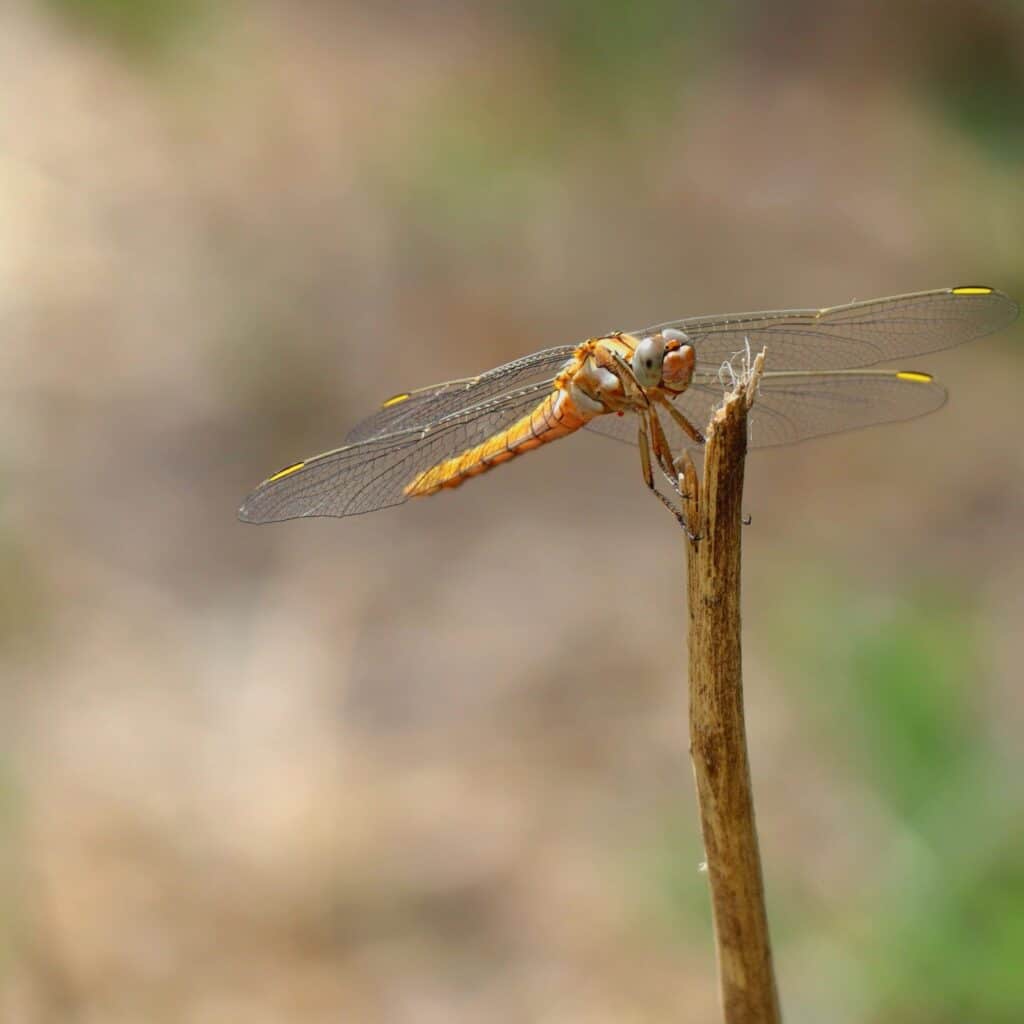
(629, 380)
(645, 462)
(672, 468)
(682, 422)
(663, 451)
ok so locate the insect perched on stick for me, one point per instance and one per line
(652, 387)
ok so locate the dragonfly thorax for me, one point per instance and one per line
(595, 389)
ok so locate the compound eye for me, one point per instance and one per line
(647, 357)
(672, 334)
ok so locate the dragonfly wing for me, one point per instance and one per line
(623, 428)
(795, 406)
(856, 334)
(373, 473)
(428, 405)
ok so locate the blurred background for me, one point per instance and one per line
(430, 765)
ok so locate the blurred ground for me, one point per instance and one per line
(430, 764)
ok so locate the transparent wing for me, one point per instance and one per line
(428, 405)
(373, 473)
(854, 335)
(625, 428)
(796, 406)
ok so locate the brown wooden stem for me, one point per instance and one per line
(718, 743)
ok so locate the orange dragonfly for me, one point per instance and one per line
(647, 387)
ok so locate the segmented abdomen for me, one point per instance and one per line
(553, 418)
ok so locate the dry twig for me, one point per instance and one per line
(718, 744)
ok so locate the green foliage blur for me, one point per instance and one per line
(897, 687)
(143, 28)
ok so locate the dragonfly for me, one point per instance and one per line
(648, 387)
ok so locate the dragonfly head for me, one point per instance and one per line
(680, 359)
(665, 358)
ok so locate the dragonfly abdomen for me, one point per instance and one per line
(556, 416)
